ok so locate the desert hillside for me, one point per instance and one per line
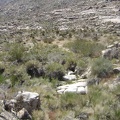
(60, 59)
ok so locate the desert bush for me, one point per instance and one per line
(70, 62)
(56, 56)
(2, 78)
(38, 115)
(70, 101)
(85, 48)
(81, 66)
(2, 69)
(16, 52)
(48, 39)
(82, 63)
(17, 75)
(95, 96)
(55, 71)
(40, 52)
(101, 67)
(34, 68)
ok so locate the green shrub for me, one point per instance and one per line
(2, 78)
(40, 52)
(32, 63)
(70, 61)
(85, 48)
(55, 70)
(54, 67)
(18, 75)
(101, 67)
(38, 115)
(2, 69)
(70, 101)
(35, 69)
(16, 52)
(95, 95)
(81, 66)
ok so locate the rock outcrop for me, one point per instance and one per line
(77, 87)
(28, 100)
(5, 115)
(21, 106)
(113, 84)
(70, 76)
(112, 51)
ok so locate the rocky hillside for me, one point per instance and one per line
(60, 59)
(96, 14)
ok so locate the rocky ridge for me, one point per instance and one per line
(99, 15)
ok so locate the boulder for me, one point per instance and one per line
(23, 114)
(9, 104)
(28, 100)
(7, 116)
(70, 76)
(106, 53)
(116, 70)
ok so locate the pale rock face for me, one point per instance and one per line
(27, 96)
(22, 106)
(78, 87)
(29, 100)
(70, 76)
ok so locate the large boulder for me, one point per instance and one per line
(28, 100)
